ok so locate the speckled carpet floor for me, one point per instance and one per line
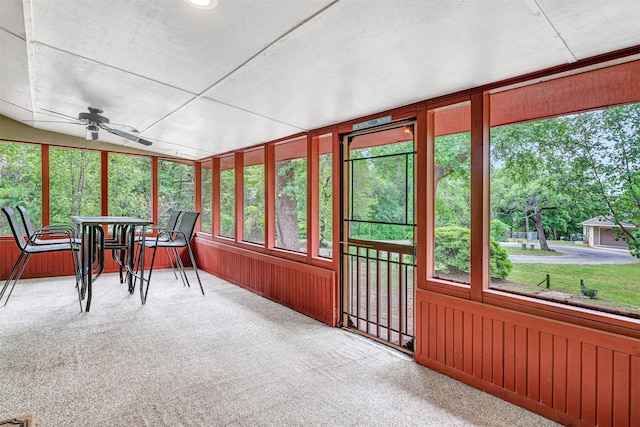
(227, 358)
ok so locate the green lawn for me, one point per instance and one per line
(614, 282)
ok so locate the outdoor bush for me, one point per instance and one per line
(498, 228)
(452, 253)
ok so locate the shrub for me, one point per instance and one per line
(452, 253)
(498, 228)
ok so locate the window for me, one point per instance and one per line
(325, 197)
(291, 194)
(452, 150)
(381, 186)
(227, 197)
(75, 183)
(254, 204)
(176, 187)
(564, 205)
(205, 196)
(129, 185)
(20, 180)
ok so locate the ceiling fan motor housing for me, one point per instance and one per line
(93, 116)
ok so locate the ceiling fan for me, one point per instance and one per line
(94, 122)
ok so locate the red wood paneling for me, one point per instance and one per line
(559, 364)
(571, 94)
(604, 381)
(621, 373)
(565, 372)
(634, 392)
(56, 263)
(546, 368)
(302, 287)
(509, 356)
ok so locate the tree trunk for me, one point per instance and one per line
(286, 218)
(537, 219)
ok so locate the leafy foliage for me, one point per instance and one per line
(20, 180)
(227, 203)
(452, 253)
(176, 187)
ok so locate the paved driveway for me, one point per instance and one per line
(578, 254)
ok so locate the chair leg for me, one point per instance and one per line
(13, 271)
(171, 262)
(180, 264)
(195, 267)
(143, 294)
(76, 269)
(17, 277)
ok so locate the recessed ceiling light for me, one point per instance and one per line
(203, 4)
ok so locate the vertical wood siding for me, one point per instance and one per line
(568, 373)
(59, 263)
(302, 287)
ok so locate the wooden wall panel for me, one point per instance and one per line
(568, 373)
(621, 375)
(59, 263)
(634, 392)
(302, 287)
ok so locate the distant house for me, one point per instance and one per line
(599, 231)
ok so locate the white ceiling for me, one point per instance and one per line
(203, 82)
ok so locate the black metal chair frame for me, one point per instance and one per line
(29, 246)
(163, 234)
(178, 238)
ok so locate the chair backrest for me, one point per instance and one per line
(173, 220)
(16, 228)
(187, 225)
(28, 225)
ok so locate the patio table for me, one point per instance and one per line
(90, 230)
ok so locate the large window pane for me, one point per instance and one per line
(254, 196)
(452, 207)
(227, 197)
(564, 203)
(291, 195)
(325, 205)
(176, 187)
(20, 181)
(129, 185)
(205, 196)
(75, 183)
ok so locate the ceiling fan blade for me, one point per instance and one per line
(52, 121)
(62, 115)
(125, 135)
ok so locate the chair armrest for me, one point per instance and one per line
(51, 231)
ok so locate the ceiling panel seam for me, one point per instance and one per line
(276, 40)
(548, 26)
(264, 49)
(27, 15)
(115, 68)
(251, 112)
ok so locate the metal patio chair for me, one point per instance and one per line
(29, 246)
(163, 235)
(53, 229)
(174, 240)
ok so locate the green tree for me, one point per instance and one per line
(525, 156)
(604, 150)
(176, 187)
(20, 180)
(75, 183)
(129, 185)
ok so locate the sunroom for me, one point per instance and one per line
(364, 164)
